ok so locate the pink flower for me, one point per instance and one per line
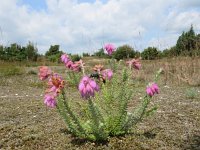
(65, 58)
(134, 63)
(50, 101)
(155, 88)
(109, 48)
(87, 87)
(77, 65)
(149, 91)
(152, 89)
(107, 74)
(69, 64)
(55, 84)
(44, 72)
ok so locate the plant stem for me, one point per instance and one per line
(72, 115)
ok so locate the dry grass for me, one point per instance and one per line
(25, 123)
(177, 71)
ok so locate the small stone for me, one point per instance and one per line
(166, 86)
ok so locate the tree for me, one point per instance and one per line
(53, 50)
(15, 52)
(31, 52)
(187, 43)
(124, 52)
(150, 53)
(2, 52)
(100, 53)
(53, 54)
(86, 55)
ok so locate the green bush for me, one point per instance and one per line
(15, 52)
(86, 55)
(54, 58)
(75, 57)
(124, 52)
(191, 93)
(150, 53)
(101, 54)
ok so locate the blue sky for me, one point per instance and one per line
(35, 4)
(86, 25)
(41, 4)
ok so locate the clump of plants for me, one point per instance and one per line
(105, 96)
(9, 70)
(191, 93)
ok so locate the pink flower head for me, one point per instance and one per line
(107, 74)
(77, 65)
(152, 89)
(65, 58)
(69, 64)
(50, 101)
(44, 72)
(149, 91)
(109, 48)
(134, 63)
(87, 87)
(55, 84)
(155, 88)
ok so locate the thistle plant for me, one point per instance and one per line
(105, 95)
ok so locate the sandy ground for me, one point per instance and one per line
(25, 123)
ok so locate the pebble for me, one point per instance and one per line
(166, 86)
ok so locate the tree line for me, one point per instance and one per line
(188, 44)
(15, 52)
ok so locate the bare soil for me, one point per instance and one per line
(26, 123)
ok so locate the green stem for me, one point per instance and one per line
(66, 119)
(138, 114)
(96, 120)
(72, 115)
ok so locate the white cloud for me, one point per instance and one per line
(163, 42)
(79, 27)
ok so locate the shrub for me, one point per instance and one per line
(86, 54)
(54, 58)
(75, 57)
(100, 53)
(150, 53)
(124, 52)
(191, 93)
